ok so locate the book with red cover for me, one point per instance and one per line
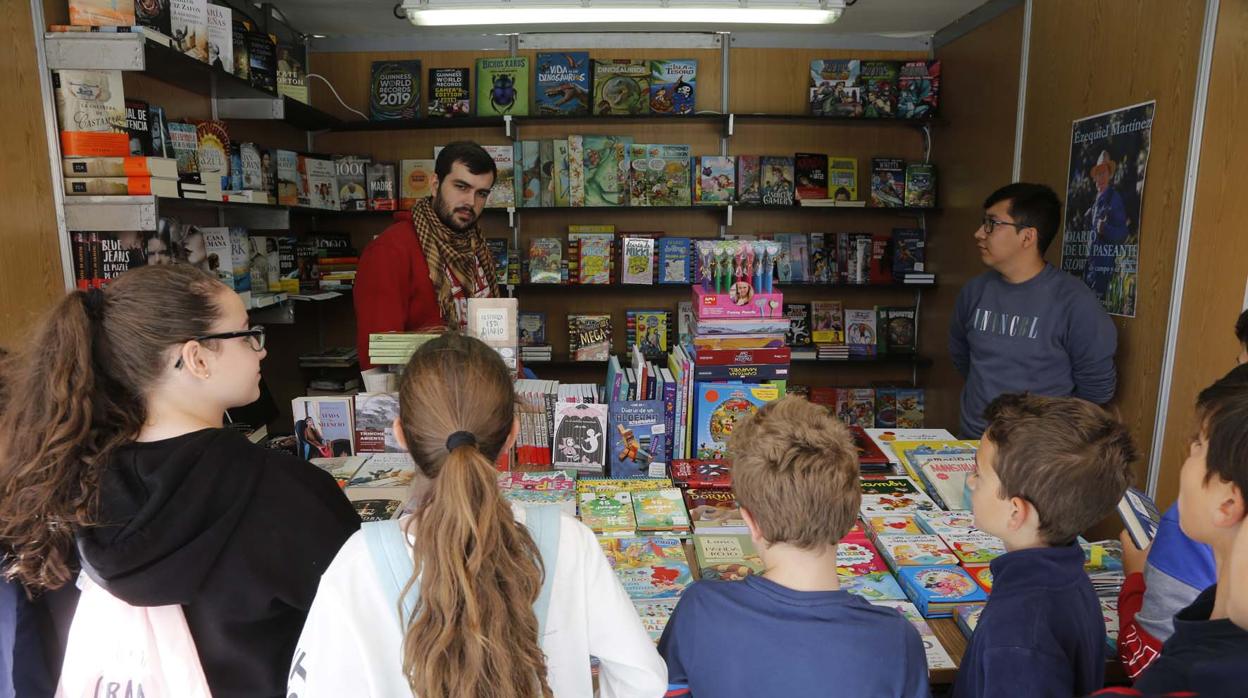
(702, 474)
(855, 555)
(870, 457)
(728, 357)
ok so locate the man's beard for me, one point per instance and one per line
(447, 215)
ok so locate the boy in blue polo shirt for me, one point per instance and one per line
(1047, 469)
(791, 631)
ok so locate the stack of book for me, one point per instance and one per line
(333, 357)
(394, 348)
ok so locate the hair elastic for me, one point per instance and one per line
(460, 438)
(94, 300)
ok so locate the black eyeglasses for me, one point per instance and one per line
(988, 223)
(255, 337)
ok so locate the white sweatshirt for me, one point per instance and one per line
(351, 642)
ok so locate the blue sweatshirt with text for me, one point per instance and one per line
(1048, 335)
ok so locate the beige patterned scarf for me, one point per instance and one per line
(460, 264)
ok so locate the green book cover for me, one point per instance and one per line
(503, 86)
(606, 159)
(608, 512)
(621, 86)
(660, 510)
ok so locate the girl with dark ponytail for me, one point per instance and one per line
(476, 570)
(112, 445)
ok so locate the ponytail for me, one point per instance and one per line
(473, 631)
(72, 396)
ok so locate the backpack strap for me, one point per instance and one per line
(392, 559)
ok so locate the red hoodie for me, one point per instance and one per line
(392, 287)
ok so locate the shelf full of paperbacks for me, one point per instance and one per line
(178, 36)
(114, 146)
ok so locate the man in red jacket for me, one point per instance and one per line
(419, 273)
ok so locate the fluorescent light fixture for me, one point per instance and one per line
(460, 13)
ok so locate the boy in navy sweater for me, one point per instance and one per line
(1047, 469)
(791, 631)
(1208, 652)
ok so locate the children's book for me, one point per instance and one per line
(532, 328)
(675, 260)
(910, 408)
(503, 193)
(900, 523)
(556, 487)
(918, 90)
(776, 174)
(886, 438)
(545, 261)
(589, 337)
(726, 557)
(660, 511)
(749, 180)
(982, 574)
(975, 548)
(648, 331)
(900, 550)
(576, 170)
(654, 614)
(714, 511)
(649, 568)
(720, 408)
(880, 81)
(893, 495)
(659, 175)
(843, 179)
(562, 84)
(855, 555)
(920, 185)
(936, 590)
(593, 484)
(638, 433)
(637, 261)
(888, 182)
(897, 331)
(605, 169)
(450, 93)
(944, 523)
(502, 258)
(503, 86)
(860, 332)
(967, 617)
(673, 86)
(829, 322)
(528, 174)
(856, 408)
(836, 88)
(944, 472)
(1140, 516)
(715, 180)
(580, 436)
(593, 263)
(937, 657)
(560, 172)
(547, 172)
(909, 252)
(608, 511)
(872, 586)
(811, 175)
(621, 86)
(702, 475)
(799, 324)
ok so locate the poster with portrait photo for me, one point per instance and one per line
(1104, 194)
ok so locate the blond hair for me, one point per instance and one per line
(795, 469)
(473, 632)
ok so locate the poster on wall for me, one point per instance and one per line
(1108, 161)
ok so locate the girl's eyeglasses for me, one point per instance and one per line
(255, 337)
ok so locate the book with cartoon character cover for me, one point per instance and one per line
(714, 511)
(673, 86)
(888, 182)
(580, 436)
(880, 82)
(621, 86)
(726, 557)
(918, 88)
(649, 568)
(860, 333)
(637, 438)
(702, 475)
(855, 555)
(943, 471)
(776, 175)
(562, 84)
(675, 259)
(900, 550)
(872, 586)
(715, 180)
(899, 523)
(660, 511)
(608, 511)
(943, 523)
(556, 487)
(719, 408)
(936, 590)
(893, 495)
(654, 614)
(975, 548)
(836, 87)
(920, 185)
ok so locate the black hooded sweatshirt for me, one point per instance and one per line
(239, 535)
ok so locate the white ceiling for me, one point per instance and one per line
(886, 18)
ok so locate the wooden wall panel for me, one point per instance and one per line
(972, 146)
(1085, 61)
(30, 253)
(1213, 293)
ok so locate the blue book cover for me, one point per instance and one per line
(909, 252)
(673, 86)
(936, 590)
(720, 407)
(669, 410)
(873, 586)
(638, 435)
(562, 83)
(674, 260)
(1140, 516)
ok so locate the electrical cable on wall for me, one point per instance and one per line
(331, 89)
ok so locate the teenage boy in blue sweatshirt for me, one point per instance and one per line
(1047, 468)
(1208, 652)
(791, 631)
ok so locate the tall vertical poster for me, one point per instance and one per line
(1104, 194)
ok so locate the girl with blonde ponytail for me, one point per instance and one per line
(484, 606)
